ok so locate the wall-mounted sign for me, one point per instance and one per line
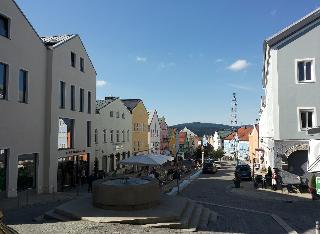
(73, 152)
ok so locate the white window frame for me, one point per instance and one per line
(314, 117)
(313, 70)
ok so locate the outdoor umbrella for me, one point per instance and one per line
(144, 160)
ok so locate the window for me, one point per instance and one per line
(82, 64)
(306, 119)
(27, 171)
(111, 114)
(62, 94)
(96, 136)
(73, 59)
(88, 133)
(4, 26)
(3, 81)
(118, 136)
(65, 133)
(128, 137)
(73, 98)
(23, 83)
(111, 135)
(89, 102)
(104, 135)
(305, 71)
(3, 169)
(123, 136)
(81, 100)
(118, 115)
(123, 116)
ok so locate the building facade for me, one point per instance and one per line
(154, 133)
(254, 145)
(47, 87)
(164, 136)
(139, 125)
(217, 141)
(22, 94)
(70, 111)
(112, 134)
(291, 103)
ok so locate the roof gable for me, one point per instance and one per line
(131, 103)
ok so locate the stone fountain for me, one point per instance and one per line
(125, 193)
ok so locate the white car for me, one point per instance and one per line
(218, 164)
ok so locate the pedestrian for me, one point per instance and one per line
(274, 180)
(90, 180)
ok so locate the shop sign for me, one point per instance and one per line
(73, 152)
(318, 185)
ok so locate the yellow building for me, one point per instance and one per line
(254, 144)
(139, 125)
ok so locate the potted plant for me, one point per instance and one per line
(312, 187)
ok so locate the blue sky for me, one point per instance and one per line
(184, 58)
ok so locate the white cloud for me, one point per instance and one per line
(141, 59)
(101, 83)
(273, 12)
(219, 60)
(162, 65)
(239, 65)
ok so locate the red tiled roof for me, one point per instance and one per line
(243, 134)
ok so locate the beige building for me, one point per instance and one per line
(139, 125)
(47, 102)
(113, 134)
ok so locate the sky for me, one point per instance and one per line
(184, 58)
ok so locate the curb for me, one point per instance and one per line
(184, 184)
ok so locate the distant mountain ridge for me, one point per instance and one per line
(202, 128)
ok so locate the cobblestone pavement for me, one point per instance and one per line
(247, 213)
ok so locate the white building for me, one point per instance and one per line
(113, 133)
(217, 141)
(154, 133)
(43, 81)
(71, 91)
(292, 93)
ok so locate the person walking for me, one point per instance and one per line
(274, 180)
(90, 180)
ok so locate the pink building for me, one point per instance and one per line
(164, 135)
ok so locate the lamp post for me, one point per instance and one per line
(177, 150)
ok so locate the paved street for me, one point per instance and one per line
(248, 213)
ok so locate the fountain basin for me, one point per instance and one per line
(125, 193)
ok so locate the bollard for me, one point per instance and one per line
(317, 227)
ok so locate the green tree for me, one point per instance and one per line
(218, 154)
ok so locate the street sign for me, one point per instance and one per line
(318, 185)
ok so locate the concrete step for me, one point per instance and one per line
(186, 216)
(66, 215)
(194, 219)
(204, 220)
(51, 214)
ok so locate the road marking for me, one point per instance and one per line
(275, 217)
(283, 224)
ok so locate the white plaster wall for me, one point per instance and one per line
(104, 121)
(154, 125)
(62, 70)
(22, 125)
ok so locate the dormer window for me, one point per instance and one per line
(4, 26)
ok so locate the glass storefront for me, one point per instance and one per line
(3, 169)
(72, 171)
(26, 171)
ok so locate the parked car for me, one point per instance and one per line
(209, 167)
(218, 164)
(244, 171)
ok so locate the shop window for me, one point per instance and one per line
(26, 171)
(66, 133)
(3, 80)
(3, 169)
